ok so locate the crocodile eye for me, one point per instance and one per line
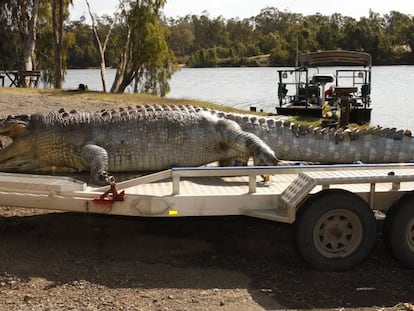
(25, 117)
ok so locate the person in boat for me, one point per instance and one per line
(314, 100)
(329, 92)
(330, 112)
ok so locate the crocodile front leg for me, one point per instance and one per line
(96, 158)
(246, 143)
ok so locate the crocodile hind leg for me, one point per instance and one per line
(96, 158)
(246, 143)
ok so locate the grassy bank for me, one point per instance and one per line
(21, 100)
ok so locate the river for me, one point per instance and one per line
(392, 99)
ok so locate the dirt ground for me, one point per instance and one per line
(68, 261)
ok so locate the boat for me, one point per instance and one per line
(307, 88)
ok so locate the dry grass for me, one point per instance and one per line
(20, 100)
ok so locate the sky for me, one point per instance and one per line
(247, 8)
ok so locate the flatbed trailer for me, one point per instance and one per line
(332, 206)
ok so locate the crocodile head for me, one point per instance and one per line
(14, 126)
(16, 156)
(20, 165)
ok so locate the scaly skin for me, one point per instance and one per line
(158, 137)
(331, 146)
(133, 139)
(327, 146)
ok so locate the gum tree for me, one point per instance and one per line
(20, 19)
(144, 57)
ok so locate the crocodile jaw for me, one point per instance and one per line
(20, 164)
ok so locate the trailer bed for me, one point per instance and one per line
(211, 191)
(332, 205)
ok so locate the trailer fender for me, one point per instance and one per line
(309, 200)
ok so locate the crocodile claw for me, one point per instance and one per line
(105, 179)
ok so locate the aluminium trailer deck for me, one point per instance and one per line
(212, 191)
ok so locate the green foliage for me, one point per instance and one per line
(142, 44)
(144, 56)
(82, 52)
(10, 48)
(389, 38)
(17, 25)
(182, 37)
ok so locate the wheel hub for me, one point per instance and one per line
(338, 233)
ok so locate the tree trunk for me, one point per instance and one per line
(57, 23)
(101, 47)
(103, 73)
(119, 75)
(28, 61)
(30, 45)
(117, 85)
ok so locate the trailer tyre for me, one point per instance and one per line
(399, 230)
(335, 231)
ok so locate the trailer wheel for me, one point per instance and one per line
(336, 231)
(399, 230)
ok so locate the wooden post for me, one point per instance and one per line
(343, 93)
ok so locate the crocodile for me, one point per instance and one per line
(148, 138)
(142, 138)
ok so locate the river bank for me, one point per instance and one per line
(22, 100)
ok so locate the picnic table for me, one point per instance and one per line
(22, 78)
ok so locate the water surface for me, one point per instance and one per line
(392, 89)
